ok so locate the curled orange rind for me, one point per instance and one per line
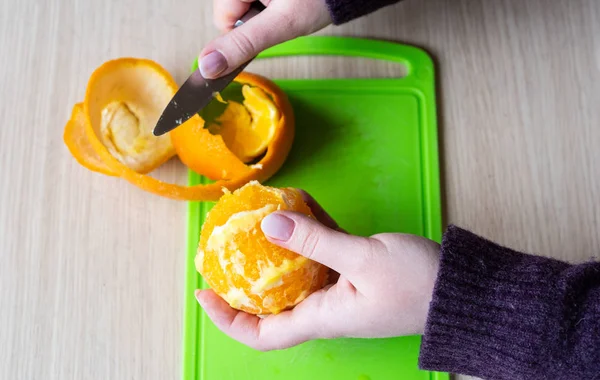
(110, 132)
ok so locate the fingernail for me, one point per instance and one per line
(197, 295)
(277, 226)
(213, 64)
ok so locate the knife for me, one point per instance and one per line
(197, 92)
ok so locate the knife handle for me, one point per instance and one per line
(255, 8)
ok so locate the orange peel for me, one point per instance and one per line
(111, 132)
(79, 145)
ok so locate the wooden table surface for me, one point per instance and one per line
(91, 270)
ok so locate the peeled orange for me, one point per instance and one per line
(242, 266)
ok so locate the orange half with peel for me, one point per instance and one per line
(111, 131)
(262, 126)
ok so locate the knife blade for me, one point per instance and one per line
(197, 92)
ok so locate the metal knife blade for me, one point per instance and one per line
(197, 92)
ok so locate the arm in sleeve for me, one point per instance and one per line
(501, 314)
(343, 11)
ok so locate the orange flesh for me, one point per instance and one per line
(242, 266)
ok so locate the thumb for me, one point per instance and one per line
(231, 50)
(344, 253)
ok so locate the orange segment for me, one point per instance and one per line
(242, 266)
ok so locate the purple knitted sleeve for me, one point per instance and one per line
(343, 11)
(501, 314)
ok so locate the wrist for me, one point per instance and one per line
(432, 252)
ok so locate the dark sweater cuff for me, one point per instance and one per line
(493, 310)
(343, 11)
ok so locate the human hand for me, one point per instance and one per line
(282, 20)
(384, 287)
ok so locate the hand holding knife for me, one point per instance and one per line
(197, 92)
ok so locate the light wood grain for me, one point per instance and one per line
(91, 271)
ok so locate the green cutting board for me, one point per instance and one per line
(367, 150)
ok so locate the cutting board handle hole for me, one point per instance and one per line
(327, 67)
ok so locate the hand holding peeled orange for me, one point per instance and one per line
(242, 266)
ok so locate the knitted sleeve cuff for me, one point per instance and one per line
(493, 312)
(343, 11)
